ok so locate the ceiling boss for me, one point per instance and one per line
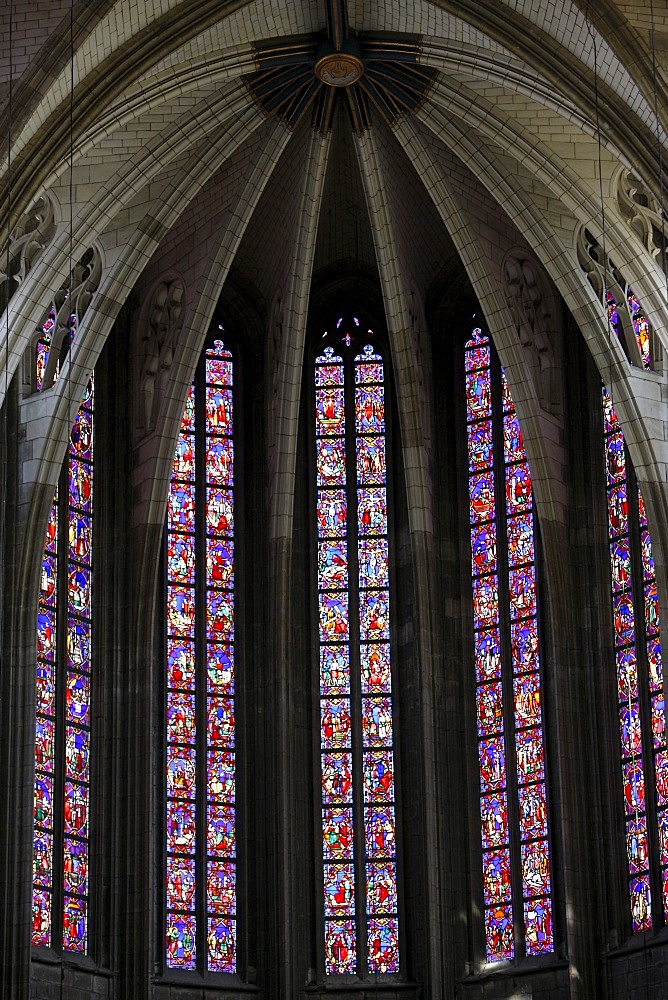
(306, 73)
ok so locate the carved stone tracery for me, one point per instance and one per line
(642, 213)
(29, 237)
(159, 338)
(527, 298)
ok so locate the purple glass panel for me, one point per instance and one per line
(41, 918)
(219, 616)
(339, 890)
(75, 811)
(375, 663)
(331, 461)
(371, 511)
(220, 722)
(499, 933)
(371, 460)
(220, 668)
(220, 563)
(332, 565)
(480, 445)
(481, 492)
(370, 410)
(329, 412)
(221, 831)
(378, 768)
(519, 493)
(183, 467)
(219, 512)
(536, 868)
(218, 410)
(74, 924)
(181, 508)
(494, 819)
(630, 734)
(634, 786)
(520, 539)
(522, 592)
(641, 903)
(180, 664)
(381, 887)
(533, 811)
(485, 601)
(483, 549)
(538, 926)
(340, 947)
(337, 778)
(337, 833)
(334, 670)
(478, 395)
(374, 615)
(222, 944)
(332, 513)
(221, 887)
(513, 448)
(527, 700)
(487, 655)
(636, 844)
(496, 877)
(180, 941)
(492, 755)
(383, 944)
(373, 562)
(181, 773)
(220, 775)
(219, 461)
(379, 831)
(180, 717)
(333, 617)
(181, 827)
(181, 883)
(335, 723)
(490, 709)
(377, 721)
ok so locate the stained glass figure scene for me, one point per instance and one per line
(63, 661)
(517, 904)
(352, 515)
(635, 314)
(639, 678)
(200, 672)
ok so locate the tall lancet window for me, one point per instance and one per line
(63, 713)
(640, 694)
(200, 863)
(357, 765)
(517, 887)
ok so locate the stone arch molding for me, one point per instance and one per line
(529, 299)
(158, 332)
(29, 237)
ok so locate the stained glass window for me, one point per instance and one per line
(63, 722)
(635, 313)
(359, 874)
(200, 899)
(517, 890)
(640, 695)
